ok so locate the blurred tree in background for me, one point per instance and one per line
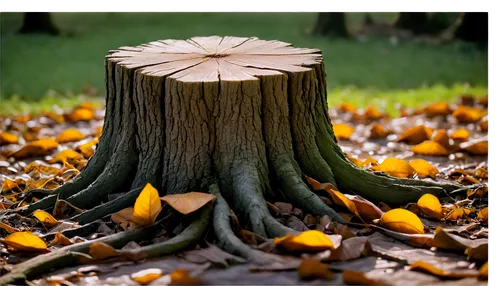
(38, 22)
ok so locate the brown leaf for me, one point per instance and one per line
(310, 269)
(70, 135)
(372, 113)
(430, 148)
(476, 147)
(188, 202)
(351, 277)
(377, 131)
(384, 207)
(415, 135)
(448, 241)
(182, 277)
(351, 248)
(8, 138)
(396, 168)
(59, 238)
(65, 156)
(39, 147)
(466, 114)
(438, 108)
(8, 228)
(366, 209)
(441, 137)
(124, 218)
(100, 251)
(483, 272)
(481, 173)
(478, 253)
(431, 269)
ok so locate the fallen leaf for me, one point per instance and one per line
(370, 161)
(87, 149)
(415, 135)
(8, 138)
(147, 206)
(372, 113)
(448, 241)
(396, 168)
(146, 276)
(65, 156)
(423, 168)
(342, 131)
(347, 107)
(384, 207)
(25, 241)
(483, 125)
(188, 202)
(377, 131)
(124, 218)
(476, 147)
(483, 272)
(442, 138)
(481, 173)
(311, 269)
(60, 238)
(37, 166)
(430, 148)
(39, 147)
(466, 114)
(402, 220)
(350, 248)
(182, 277)
(482, 215)
(351, 277)
(478, 253)
(455, 214)
(100, 251)
(70, 135)
(429, 268)
(430, 206)
(366, 210)
(58, 118)
(477, 192)
(438, 108)
(45, 218)
(81, 114)
(10, 185)
(308, 241)
(460, 135)
(8, 228)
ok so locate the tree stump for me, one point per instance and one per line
(243, 115)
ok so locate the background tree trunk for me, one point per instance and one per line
(331, 24)
(415, 22)
(38, 22)
(473, 27)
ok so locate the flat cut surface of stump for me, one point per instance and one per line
(210, 59)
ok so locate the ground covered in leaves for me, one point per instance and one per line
(432, 241)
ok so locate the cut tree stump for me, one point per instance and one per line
(244, 116)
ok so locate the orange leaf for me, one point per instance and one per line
(430, 148)
(351, 277)
(308, 241)
(54, 116)
(342, 131)
(87, 149)
(45, 218)
(424, 169)
(65, 156)
(182, 277)
(372, 113)
(455, 214)
(7, 138)
(70, 135)
(25, 241)
(466, 114)
(401, 220)
(39, 147)
(8, 228)
(147, 206)
(100, 251)
(460, 135)
(415, 135)
(430, 206)
(347, 107)
(442, 138)
(483, 125)
(59, 238)
(38, 167)
(310, 269)
(377, 131)
(396, 168)
(481, 173)
(81, 114)
(354, 160)
(438, 108)
(188, 202)
(124, 218)
(483, 214)
(9, 185)
(483, 272)
(146, 276)
(476, 147)
(429, 268)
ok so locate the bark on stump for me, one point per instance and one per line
(243, 115)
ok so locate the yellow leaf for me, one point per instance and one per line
(372, 113)
(424, 169)
(8, 228)
(70, 135)
(188, 202)
(25, 241)
(9, 185)
(354, 160)
(442, 138)
(45, 218)
(351, 277)
(377, 131)
(182, 277)
(438, 108)
(477, 192)
(124, 218)
(476, 147)
(415, 135)
(147, 206)
(98, 131)
(466, 114)
(430, 206)
(39, 147)
(146, 276)
(430, 148)
(100, 251)
(87, 149)
(54, 116)
(59, 238)
(455, 214)
(483, 214)
(81, 114)
(481, 173)
(44, 169)
(342, 131)
(370, 161)
(347, 107)
(310, 269)
(308, 241)
(429, 268)
(402, 220)
(460, 135)
(483, 272)
(396, 168)
(65, 156)
(7, 138)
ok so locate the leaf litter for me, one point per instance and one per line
(429, 240)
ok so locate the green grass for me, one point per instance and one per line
(33, 64)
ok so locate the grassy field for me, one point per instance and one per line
(357, 70)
